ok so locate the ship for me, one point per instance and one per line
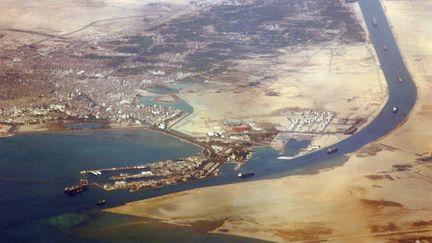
(395, 109)
(74, 189)
(400, 79)
(385, 47)
(375, 21)
(245, 174)
(95, 172)
(101, 202)
(332, 150)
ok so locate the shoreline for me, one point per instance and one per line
(176, 133)
(115, 127)
(178, 205)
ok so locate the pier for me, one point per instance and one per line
(171, 172)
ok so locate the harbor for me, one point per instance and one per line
(393, 68)
(234, 145)
(171, 172)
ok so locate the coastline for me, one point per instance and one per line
(368, 189)
(22, 129)
(105, 127)
(57, 126)
(383, 188)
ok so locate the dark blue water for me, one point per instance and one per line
(35, 168)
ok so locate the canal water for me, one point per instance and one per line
(402, 95)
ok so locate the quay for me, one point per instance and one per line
(171, 172)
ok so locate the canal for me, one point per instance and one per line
(26, 201)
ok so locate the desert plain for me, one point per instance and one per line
(381, 194)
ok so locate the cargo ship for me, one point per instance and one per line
(101, 202)
(74, 189)
(332, 150)
(245, 174)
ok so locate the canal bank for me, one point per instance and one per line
(402, 95)
(384, 123)
(383, 188)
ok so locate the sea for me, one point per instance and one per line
(35, 168)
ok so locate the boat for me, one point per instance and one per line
(395, 109)
(146, 173)
(375, 21)
(75, 189)
(101, 202)
(95, 172)
(245, 174)
(332, 150)
(385, 47)
(400, 79)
